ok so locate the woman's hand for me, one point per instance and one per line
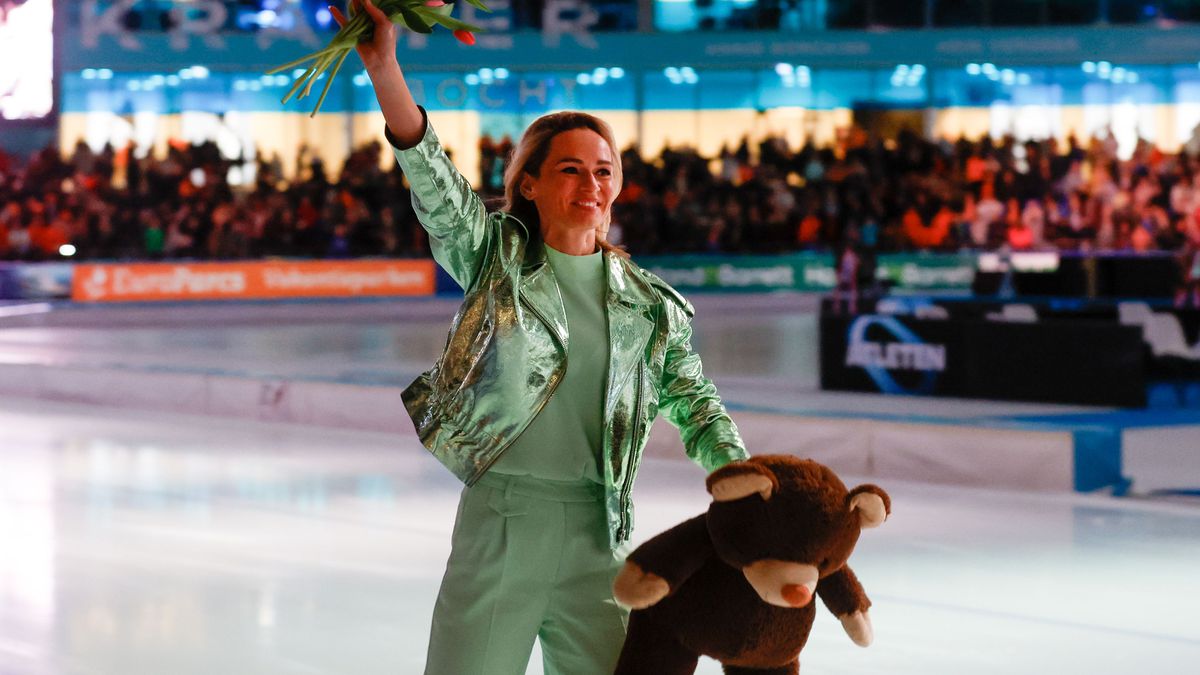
(380, 50)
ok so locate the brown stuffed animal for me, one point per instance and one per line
(736, 584)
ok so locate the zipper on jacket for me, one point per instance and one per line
(553, 388)
(623, 530)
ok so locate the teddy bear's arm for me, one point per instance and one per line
(677, 553)
(844, 596)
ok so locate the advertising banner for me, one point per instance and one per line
(251, 280)
(812, 272)
(35, 281)
(1083, 362)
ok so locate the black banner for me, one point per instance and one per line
(1087, 363)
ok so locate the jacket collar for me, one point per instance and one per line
(626, 283)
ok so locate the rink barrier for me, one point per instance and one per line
(1117, 452)
(271, 279)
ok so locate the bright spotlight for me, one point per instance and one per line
(66, 250)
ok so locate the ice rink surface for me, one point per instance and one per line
(155, 543)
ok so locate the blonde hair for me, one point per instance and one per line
(530, 153)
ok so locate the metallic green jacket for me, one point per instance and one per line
(506, 351)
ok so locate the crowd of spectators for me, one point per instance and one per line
(909, 193)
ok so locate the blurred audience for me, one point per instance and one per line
(896, 195)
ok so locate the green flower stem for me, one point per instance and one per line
(325, 91)
(360, 27)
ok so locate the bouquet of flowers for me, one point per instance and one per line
(417, 15)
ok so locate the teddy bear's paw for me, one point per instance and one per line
(638, 589)
(858, 627)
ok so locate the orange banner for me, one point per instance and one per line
(251, 280)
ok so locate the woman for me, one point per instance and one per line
(557, 362)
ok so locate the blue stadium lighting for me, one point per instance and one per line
(1132, 77)
(240, 85)
(1090, 67)
(671, 72)
(255, 86)
(918, 69)
(583, 78)
(324, 18)
(104, 74)
(267, 80)
(502, 73)
(88, 73)
(973, 69)
(157, 80)
(471, 79)
(1103, 68)
(199, 72)
(616, 73)
(1118, 75)
(600, 76)
(361, 80)
(267, 18)
(172, 80)
(989, 69)
(784, 69)
(134, 85)
(1024, 79)
(1008, 76)
(297, 73)
(280, 80)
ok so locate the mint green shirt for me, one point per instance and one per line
(563, 441)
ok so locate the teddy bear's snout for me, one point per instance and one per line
(797, 595)
(782, 583)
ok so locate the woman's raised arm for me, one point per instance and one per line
(404, 119)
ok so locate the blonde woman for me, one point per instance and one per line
(561, 356)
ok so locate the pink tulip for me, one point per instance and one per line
(434, 3)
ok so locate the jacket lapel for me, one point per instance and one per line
(539, 290)
(630, 327)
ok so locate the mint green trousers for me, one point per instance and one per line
(529, 560)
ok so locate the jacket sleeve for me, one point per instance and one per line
(688, 399)
(449, 210)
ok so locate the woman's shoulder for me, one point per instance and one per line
(663, 291)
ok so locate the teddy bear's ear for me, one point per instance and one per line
(871, 504)
(739, 480)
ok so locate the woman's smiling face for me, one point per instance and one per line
(576, 184)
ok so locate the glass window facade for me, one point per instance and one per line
(672, 106)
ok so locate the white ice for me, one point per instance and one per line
(160, 544)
